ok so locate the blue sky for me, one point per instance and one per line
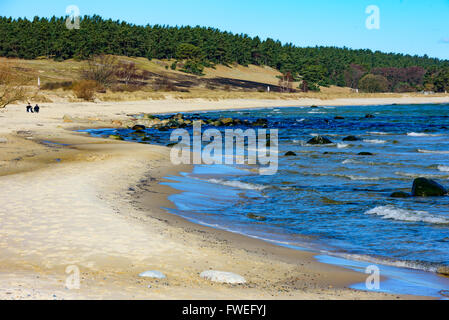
(406, 26)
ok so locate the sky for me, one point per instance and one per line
(404, 26)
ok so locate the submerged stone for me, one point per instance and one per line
(290, 154)
(351, 138)
(256, 217)
(138, 127)
(400, 194)
(115, 137)
(443, 270)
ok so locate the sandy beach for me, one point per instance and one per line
(72, 200)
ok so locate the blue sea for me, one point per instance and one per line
(329, 199)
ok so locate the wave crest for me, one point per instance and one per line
(393, 213)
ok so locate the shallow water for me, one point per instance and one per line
(337, 202)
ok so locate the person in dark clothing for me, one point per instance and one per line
(36, 109)
(29, 108)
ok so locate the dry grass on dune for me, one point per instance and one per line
(218, 83)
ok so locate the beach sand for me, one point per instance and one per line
(72, 200)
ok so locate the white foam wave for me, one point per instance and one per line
(375, 141)
(352, 161)
(417, 134)
(443, 168)
(379, 133)
(417, 175)
(238, 184)
(390, 212)
(431, 151)
(342, 145)
(416, 265)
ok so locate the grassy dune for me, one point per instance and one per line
(218, 83)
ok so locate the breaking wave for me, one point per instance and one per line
(390, 212)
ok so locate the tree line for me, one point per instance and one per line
(197, 47)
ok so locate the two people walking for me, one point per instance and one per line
(31, 109)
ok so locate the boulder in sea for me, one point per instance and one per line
(400, 194)
(290, 154)
(339, 118)
(369, 116)
(152, 274)
(423, 187)
(178, 116)
(256, 217)
(138, 127)
(314, 107)
(226, 121)
(260, 122)
(222, 277)
(115, 137)
(351, 138)
(365, 154)
(319, 140)
(443, 270)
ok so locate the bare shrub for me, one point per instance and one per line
(101, 69)
(12, 85)
(163, 84)
(66, 85)
(85, 89)
(127, 72)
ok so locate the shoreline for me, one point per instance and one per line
(97, 176)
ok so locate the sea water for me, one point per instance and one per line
(328, 198)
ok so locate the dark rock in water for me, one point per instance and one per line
(319, 140)
(351, 138)
(365, 154)
(138, 127)
(314, 107)
(290, 154)
(400, 194)
(369, 116)
(339, 118)
(226, 121)
(116, 137)
(256, 217)
(139, 133)
(443, 270)
(423, 187)
(260, 122)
